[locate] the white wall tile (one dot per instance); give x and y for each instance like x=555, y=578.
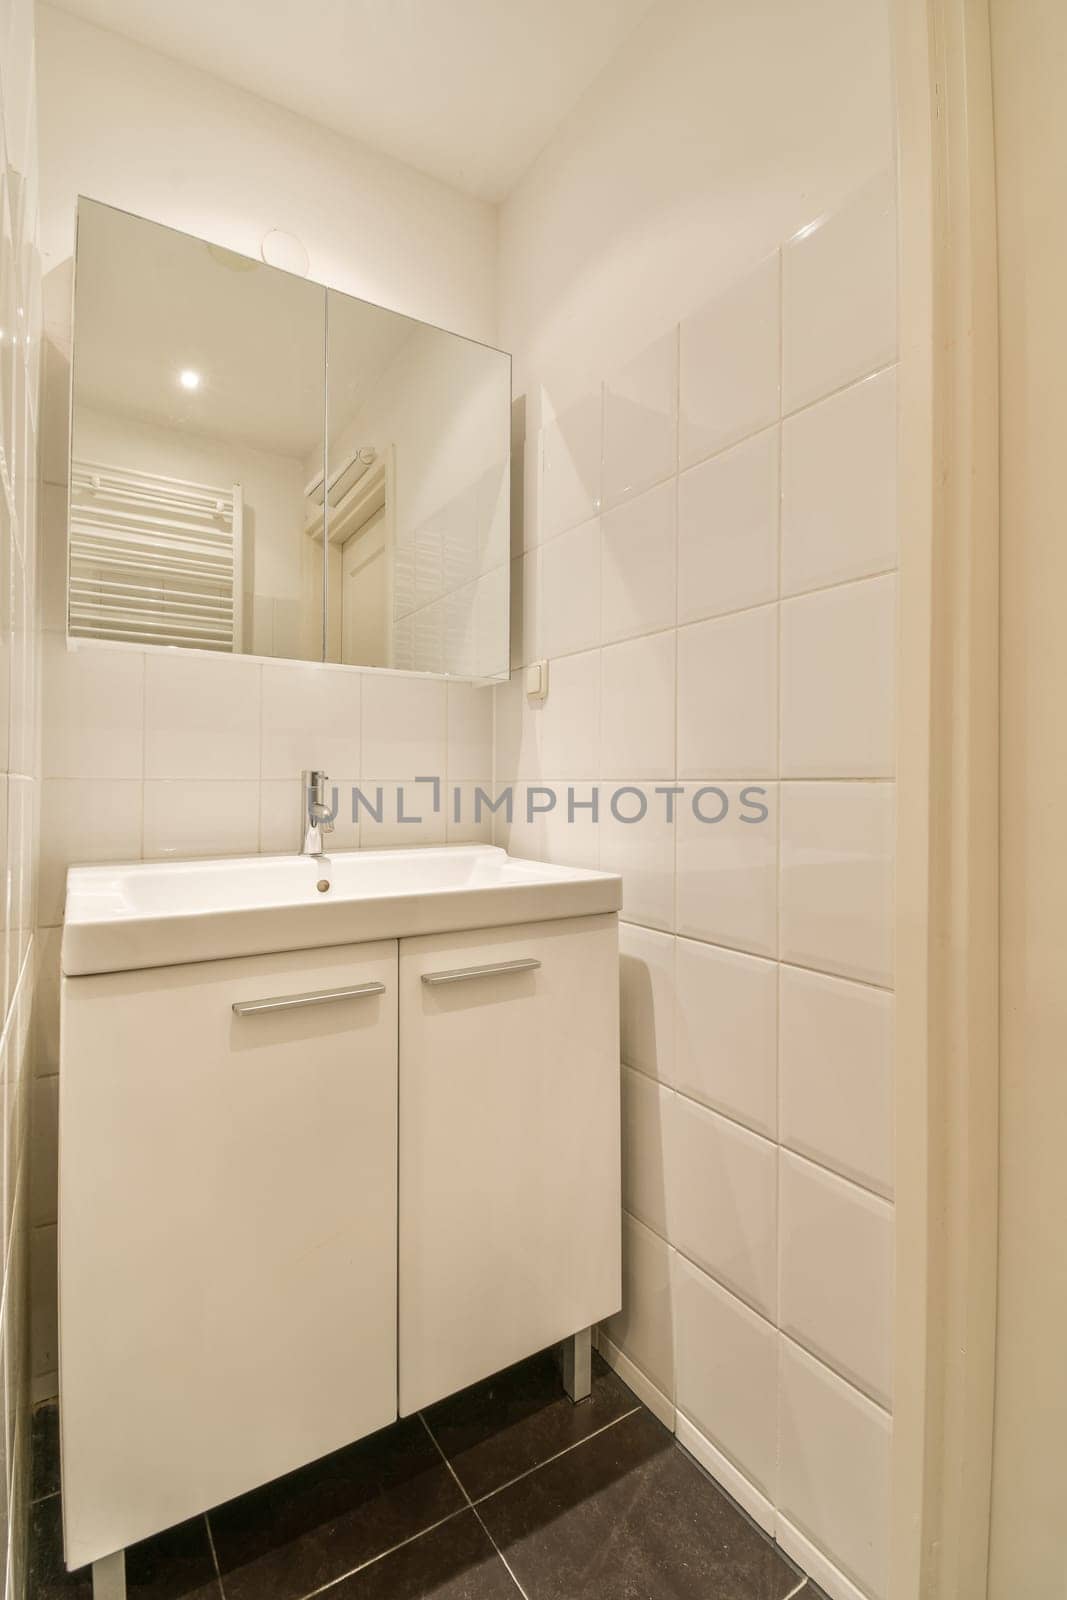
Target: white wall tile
x=728, y=696
x=570, y=466
x=93, y=712
x=567, y=724
x=644, y=1116
x=727, y=889
x=728, y=530
x=310, y=719
x=726, y=1032
x=202, y=717
x=836, y=1074
x=570, y=591
x=408, y=816
x=646, y=1000
x=833, y=1467
x=470, y=731
x=466, y=821
x=644, y=1329
x=640, y=421
x=201, y=817
x=837, y=878
x=839, y=486
x=721, y=1200
x=836, y=1273
x=642, y=850
x=52, y=568
x=838, y=661
x=638, y=567
x=525, y=604
x=404, y=727
x=729, y=363
x=726, y=1377
x=84, y=820
x=839, y=294
x=637, y=730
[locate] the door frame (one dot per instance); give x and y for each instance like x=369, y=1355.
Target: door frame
x=947, y=1067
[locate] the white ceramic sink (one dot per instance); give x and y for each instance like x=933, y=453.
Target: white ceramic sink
x=154, y=914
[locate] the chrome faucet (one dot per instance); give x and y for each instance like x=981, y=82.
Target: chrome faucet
x=317, y=814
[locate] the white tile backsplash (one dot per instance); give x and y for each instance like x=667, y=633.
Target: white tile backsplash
x=201, y=716
x=833, y=1468
x=201, y=817
x=646, y=1001
x=722, y=1186
x=640, y=421
x=404, y=726
x=728, y=696
x=839, y=296
x=726, y=1032
x=835, y=1279
x=310, y=720
x=93, y=712
x=766, y=696
x=645, y=1109
x=571, y=447
x=726, y=1359
x=727, y=866
x=728, y=530
x=839, y=486
x=637, y=704
x=729, y=364
x=836, y=1074
x=837, y=878
x=570, y=591
x=644, y=1327
x=837, y=699
x=638, y=579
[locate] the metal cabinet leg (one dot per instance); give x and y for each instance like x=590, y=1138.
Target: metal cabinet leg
x=109, y=1577
x=578, y=1365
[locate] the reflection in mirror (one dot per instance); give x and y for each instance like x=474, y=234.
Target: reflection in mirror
x=197, y=425
x=415, y=507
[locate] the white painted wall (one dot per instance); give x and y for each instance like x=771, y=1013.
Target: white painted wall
x=125, y=125
x=707, y=560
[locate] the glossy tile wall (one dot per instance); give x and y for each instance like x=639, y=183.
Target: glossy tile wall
x=708, y=562
x=20, y=326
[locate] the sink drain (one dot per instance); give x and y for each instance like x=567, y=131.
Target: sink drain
x=322, y=885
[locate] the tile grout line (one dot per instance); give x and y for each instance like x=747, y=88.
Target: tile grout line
x=474, y=1508
x=519, y=1476
x=214, y=1555
x=372, y=1561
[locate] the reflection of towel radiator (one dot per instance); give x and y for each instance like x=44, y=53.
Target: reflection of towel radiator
x=154, y=560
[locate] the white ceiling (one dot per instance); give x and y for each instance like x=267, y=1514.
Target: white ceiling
x=467, y=90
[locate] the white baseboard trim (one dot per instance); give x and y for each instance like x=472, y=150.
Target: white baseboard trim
x=818, y=1567
x=642, y=1386
x=740, y=1488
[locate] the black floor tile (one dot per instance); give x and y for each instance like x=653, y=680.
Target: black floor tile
x=304, y=1530
x=626, y=1516
x=44, y=1452
x=175, y=1565
x=453, y=1562
x=502, y=1427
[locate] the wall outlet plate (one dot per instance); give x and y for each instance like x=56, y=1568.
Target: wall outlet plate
x=537, y=680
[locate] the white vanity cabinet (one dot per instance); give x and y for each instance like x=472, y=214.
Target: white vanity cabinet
x=227, y=1231
x=509, y=1146
x=302, y=1192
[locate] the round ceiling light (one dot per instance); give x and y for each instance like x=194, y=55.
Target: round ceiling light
x=189, y=379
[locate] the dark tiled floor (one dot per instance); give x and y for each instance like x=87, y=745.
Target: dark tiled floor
x=506, y=1490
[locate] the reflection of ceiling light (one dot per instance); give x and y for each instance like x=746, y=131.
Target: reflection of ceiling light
x=189, y=379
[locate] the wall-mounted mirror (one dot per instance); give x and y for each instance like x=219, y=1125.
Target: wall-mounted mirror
x=260, y=466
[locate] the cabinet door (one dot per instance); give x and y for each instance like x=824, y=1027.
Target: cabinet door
x=509, y=1147
x=227, y=1231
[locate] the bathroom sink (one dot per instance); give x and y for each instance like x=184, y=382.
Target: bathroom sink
x=153, y=914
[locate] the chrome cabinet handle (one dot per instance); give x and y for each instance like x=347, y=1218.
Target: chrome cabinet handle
x=492, y=970
x=315, y=997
